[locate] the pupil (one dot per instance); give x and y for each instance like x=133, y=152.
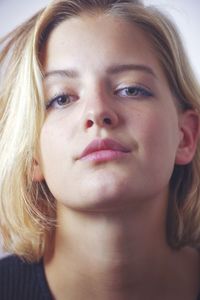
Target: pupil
x=107, y=121
x=62, y=99
x=131, y=90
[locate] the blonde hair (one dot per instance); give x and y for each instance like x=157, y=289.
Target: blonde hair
x=27, y=208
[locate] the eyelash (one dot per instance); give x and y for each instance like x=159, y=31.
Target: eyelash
x=61, y=97
x=138, y=91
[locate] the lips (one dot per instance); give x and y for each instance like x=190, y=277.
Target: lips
x=103, y=149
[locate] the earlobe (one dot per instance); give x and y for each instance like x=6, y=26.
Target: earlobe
x=190, y=131
x=37, y=172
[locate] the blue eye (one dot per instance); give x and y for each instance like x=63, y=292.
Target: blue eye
x=60, y=101
x=133, y=91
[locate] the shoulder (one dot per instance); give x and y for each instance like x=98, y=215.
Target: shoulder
x=10, y=260
x=13, y=264
x=20, y=279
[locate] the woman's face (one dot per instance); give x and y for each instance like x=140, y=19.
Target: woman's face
x=111, y=133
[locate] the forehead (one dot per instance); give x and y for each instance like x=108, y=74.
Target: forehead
x=98, y=40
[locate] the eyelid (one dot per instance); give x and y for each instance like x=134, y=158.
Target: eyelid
x=49, y=103
x=59, y=88
x=139, y=87
x=136, y=85
x=50, y=100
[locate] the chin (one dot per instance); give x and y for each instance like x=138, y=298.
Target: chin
x=98, y=197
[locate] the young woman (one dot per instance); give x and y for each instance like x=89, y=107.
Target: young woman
x=99, y=156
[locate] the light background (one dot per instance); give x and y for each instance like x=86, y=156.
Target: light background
x=185, y=14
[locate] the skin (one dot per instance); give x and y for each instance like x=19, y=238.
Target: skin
x=110, y=242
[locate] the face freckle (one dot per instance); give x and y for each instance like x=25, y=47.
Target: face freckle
x=117, y=77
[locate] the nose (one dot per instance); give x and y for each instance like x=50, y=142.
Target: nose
x=101, y=119
x=100, y=111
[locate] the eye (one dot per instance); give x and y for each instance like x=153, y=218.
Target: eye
x=60, y=101
x=133, y=91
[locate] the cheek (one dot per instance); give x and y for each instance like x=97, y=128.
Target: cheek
x=157, y=134
x=57, y=130
x=163, y=133
x=55, y=141
x=158, y=143
x=55, y=155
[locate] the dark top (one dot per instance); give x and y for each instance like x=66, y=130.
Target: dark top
x=20, y=280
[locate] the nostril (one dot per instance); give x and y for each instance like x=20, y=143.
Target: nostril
x=89, y=123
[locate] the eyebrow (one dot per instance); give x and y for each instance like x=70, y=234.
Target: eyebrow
x=116, y=69
x=112, y=70
x=61, y=73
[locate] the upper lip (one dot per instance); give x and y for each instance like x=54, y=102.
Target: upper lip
x=103, y=144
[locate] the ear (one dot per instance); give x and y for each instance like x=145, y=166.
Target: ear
x=189, y=124
x=37, y=172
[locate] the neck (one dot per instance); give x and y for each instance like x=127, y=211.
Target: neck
x=110, y=255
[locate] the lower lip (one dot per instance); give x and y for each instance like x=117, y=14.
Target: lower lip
x=104, y=155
